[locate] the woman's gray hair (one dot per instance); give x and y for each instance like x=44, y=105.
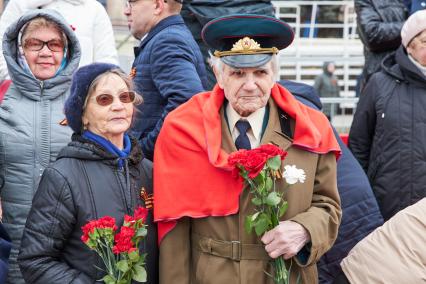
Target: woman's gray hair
x=219, y=65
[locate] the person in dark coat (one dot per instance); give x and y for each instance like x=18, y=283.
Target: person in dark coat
x=327, y=86
x=387, y=135
x=196, y=13
x=102, y=172
x=360, y=212
x=379, y=26
x=168, y=68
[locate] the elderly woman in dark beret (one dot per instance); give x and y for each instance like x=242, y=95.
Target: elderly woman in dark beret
x=100, y=173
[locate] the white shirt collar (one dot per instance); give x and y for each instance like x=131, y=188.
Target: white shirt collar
x=255, y=119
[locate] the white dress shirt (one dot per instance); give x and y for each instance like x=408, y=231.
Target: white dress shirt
x=256, y=122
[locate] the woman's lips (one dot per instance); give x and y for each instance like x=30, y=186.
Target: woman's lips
x=45, y=64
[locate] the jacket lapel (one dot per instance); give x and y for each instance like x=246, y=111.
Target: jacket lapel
x=273, y=132
x=227, y=142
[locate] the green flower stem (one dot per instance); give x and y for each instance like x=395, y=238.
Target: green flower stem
x=281, y=273
x=105, y=255
x=117, y=259
x=104, y=260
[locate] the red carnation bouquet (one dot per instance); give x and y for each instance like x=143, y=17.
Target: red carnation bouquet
x=119, y=249
x=260, y=168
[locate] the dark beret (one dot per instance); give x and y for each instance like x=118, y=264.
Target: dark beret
x=81, y=81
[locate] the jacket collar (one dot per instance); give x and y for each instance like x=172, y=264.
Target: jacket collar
x=411, y=71
x=400, y=67
x=164, y=23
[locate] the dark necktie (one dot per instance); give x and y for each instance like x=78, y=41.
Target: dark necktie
x=242, y=141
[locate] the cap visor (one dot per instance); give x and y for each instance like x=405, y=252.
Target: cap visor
x=245, y=60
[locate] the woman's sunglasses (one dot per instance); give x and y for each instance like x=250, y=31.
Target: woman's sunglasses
x=35, y=44
x=107, y=99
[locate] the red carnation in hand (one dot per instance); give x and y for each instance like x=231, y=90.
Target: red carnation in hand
x=123, y=240
x=238, y=157
x=251, y=160
x=141, y=213
x=106, y=222
x=271, y=151
x=255, y=163
x=235, y=159
x=119, y=250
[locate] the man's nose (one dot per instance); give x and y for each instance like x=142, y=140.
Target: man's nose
x=127, y=10
x=250, y=83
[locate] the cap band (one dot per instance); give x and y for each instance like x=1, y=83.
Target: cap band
x=246, y=46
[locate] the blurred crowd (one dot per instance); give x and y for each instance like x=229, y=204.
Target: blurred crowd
x=80, y=139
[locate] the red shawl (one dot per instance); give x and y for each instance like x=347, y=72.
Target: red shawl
x=191, y=173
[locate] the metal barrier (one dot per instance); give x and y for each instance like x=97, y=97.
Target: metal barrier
x=341, y=120
x=309, y=17
x=324, y=31
x=337, y=42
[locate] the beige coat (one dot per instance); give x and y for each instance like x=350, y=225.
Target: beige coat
x=393, y=253
x=217, y=250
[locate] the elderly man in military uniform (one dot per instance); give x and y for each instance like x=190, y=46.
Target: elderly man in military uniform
x=200, y=206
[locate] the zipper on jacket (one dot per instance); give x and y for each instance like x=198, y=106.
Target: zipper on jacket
x=125, y=189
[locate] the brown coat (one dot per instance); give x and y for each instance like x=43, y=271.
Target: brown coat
x=218, y=250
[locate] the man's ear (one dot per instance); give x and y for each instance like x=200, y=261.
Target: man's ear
x=159, y=7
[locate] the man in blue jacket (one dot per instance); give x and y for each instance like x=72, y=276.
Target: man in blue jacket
x=168, y=68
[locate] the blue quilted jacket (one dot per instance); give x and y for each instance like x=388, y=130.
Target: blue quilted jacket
x=169, y=70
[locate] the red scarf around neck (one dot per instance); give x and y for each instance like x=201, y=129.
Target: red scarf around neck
x=191, y=172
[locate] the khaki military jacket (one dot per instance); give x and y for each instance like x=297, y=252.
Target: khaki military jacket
x=217, y=250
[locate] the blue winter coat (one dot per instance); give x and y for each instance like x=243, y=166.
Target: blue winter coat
x=360, y=212
x=169, y=70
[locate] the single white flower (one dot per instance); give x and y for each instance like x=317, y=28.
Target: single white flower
x=293, y=174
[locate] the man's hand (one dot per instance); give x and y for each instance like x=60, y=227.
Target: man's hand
x=287, y=239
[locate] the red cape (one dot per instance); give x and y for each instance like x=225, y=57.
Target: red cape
x=191, y=172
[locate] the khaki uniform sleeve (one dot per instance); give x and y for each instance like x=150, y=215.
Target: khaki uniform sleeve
x=175, y=254
x=322, y=219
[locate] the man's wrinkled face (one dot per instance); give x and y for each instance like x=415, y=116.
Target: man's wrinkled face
x=246, y=89
x=417, y=48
